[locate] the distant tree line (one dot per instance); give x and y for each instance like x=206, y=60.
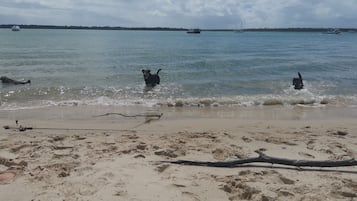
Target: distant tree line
x=302, y=29
x=8, y=26
x=286, y=29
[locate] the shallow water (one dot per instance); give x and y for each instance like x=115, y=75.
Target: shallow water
x=88, y=67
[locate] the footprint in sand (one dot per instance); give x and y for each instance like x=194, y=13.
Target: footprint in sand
x=246, y=139
x=162, y=168
x=191, y=195
x=243, y=192
x=56, y=139
x=120, y=193
x=266, y=198
x=338, y=133
x=219, y=154
x=168, y=153
x=18, y=148
x=62, y=169
x=310, y=144
x=285, y=193
x=286, y=180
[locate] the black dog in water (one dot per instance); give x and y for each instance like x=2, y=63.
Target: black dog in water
x=297, y=82
x=7, y=80
x=151, y=80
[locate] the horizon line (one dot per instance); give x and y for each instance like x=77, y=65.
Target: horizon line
x=39, y=26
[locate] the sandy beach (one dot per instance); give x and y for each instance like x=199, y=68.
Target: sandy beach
x=83, y=153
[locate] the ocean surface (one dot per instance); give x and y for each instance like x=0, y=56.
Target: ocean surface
x=249, y=69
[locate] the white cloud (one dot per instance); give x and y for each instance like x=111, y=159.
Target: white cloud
x=183, y=13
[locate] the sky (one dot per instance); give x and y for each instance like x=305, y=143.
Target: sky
x=205, y=14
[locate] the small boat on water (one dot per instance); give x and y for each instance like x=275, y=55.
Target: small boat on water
x=333, y=31
x=15, y=28
x=194, y=31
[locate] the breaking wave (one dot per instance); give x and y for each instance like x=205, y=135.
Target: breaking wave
x=161, y=96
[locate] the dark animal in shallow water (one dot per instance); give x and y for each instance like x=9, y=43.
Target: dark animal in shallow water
x=297, y=82
x=151, y=80
x=7, y=80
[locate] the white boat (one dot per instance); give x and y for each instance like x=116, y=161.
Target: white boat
x=194, y=31
x=333, y=31
x=15, y=28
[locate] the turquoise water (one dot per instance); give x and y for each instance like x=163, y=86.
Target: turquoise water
x=88, y=67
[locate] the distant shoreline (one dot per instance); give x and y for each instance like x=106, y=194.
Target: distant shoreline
x=8, y=26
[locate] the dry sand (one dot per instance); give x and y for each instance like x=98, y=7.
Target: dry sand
x=72, y=155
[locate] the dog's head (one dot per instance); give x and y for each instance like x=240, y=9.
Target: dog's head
x=146, y=74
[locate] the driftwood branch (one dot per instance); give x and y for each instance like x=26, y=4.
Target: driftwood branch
x=262, y=158
x=136, y=115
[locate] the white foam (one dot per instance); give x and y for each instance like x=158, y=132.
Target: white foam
x=158, y=97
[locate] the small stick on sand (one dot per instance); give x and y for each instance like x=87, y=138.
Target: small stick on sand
x=135, y=115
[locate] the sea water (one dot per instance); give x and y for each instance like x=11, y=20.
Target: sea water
x=94, y=67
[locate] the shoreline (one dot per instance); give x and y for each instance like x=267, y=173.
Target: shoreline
x=73, y=153
x=278, y=112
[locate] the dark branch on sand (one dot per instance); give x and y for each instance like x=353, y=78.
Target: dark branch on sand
x=136, y=115
x=262, y=158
